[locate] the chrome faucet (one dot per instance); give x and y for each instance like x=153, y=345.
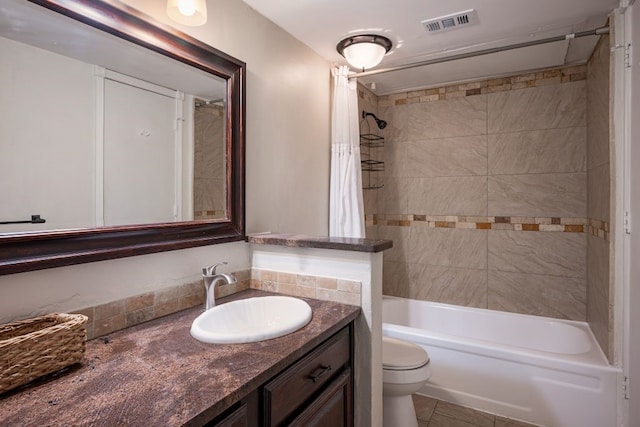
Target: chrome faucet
x=211, y=279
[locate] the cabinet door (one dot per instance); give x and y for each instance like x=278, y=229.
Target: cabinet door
x=332, y=408
x=238, y=418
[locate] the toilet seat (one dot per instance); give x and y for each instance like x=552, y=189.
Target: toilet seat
x=405, y=370
x=399, y=355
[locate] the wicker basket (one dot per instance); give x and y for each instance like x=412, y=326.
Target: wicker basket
x=42, y=345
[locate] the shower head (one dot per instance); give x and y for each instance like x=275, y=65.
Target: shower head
x=381, y=123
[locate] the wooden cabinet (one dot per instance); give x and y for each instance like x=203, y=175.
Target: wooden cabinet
x=316, y=390
x=298, y=387
x=237, y=418
x=332, y=408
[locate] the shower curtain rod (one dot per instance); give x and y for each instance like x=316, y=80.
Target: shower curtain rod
x=594, y=32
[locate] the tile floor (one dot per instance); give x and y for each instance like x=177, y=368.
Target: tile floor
x=437, y=413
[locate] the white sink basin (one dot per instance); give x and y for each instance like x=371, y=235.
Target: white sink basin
x=251, y=320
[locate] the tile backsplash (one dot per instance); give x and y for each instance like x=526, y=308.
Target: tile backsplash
x=323, y=288
x=124, y=313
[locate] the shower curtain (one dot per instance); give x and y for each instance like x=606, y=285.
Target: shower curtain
x=346, y=209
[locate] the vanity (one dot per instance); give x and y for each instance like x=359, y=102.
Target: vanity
x=157, y=374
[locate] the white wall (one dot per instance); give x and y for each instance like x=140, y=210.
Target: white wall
x=68, y=288
x=287, y=168
x=36, y=86
x=288, y=88
x=139, y=125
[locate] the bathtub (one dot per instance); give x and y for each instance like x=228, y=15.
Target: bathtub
x=543, y=371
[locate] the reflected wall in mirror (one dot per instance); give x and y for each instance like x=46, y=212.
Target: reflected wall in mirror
x=125, y=136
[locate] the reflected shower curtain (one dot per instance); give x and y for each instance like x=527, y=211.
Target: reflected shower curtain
x=346, y=210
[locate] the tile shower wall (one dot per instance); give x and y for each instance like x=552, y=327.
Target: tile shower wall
x=599, y=284
x=209, y=162
x=485, y=194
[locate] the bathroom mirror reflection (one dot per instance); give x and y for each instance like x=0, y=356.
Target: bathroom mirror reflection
x=120, y=136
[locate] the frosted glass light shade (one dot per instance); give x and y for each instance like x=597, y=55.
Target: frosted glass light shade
x=364, y=55
x=365, y=50
x=188, y=12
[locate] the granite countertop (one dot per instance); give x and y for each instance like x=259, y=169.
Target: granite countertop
x=321, y=242
x=155, y=373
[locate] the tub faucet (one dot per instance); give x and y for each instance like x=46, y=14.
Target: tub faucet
x=211, y=279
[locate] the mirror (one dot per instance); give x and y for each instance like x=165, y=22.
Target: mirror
x=122, y=136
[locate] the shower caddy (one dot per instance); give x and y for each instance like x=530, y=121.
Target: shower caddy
x=370, y=144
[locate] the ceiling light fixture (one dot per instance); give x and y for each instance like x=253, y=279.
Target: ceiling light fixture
x=364, y=51
x=188, y=12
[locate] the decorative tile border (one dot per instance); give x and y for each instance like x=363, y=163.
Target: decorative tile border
x=599, y=229
x=322, y=288
x=124, y=313
x=515, y=223
x=520, y=81
x=367, y=96
x=209, y=214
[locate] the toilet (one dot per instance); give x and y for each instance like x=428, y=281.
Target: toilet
x=405, y=369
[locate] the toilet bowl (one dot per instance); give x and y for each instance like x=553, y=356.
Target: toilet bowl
x=405, y=369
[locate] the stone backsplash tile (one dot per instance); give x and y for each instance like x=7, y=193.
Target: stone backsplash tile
x=323, y=288
x=139, y=302
x=120, y=314
x=105, y=311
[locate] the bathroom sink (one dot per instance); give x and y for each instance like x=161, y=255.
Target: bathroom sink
x=251, y=320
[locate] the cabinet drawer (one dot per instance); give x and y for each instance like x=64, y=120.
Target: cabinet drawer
x=285, y=394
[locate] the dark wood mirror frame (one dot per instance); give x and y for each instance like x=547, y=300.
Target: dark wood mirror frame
x=22, y=252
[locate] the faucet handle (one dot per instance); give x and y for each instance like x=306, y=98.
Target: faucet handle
x=211, y=270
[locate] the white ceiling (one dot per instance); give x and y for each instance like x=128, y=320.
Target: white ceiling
x=321, y=24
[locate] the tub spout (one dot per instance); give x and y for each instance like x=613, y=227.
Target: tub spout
x=211, y=279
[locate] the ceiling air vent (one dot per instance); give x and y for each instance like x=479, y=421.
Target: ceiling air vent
x=450, y=22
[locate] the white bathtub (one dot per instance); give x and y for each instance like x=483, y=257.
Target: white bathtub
x=535, y=369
